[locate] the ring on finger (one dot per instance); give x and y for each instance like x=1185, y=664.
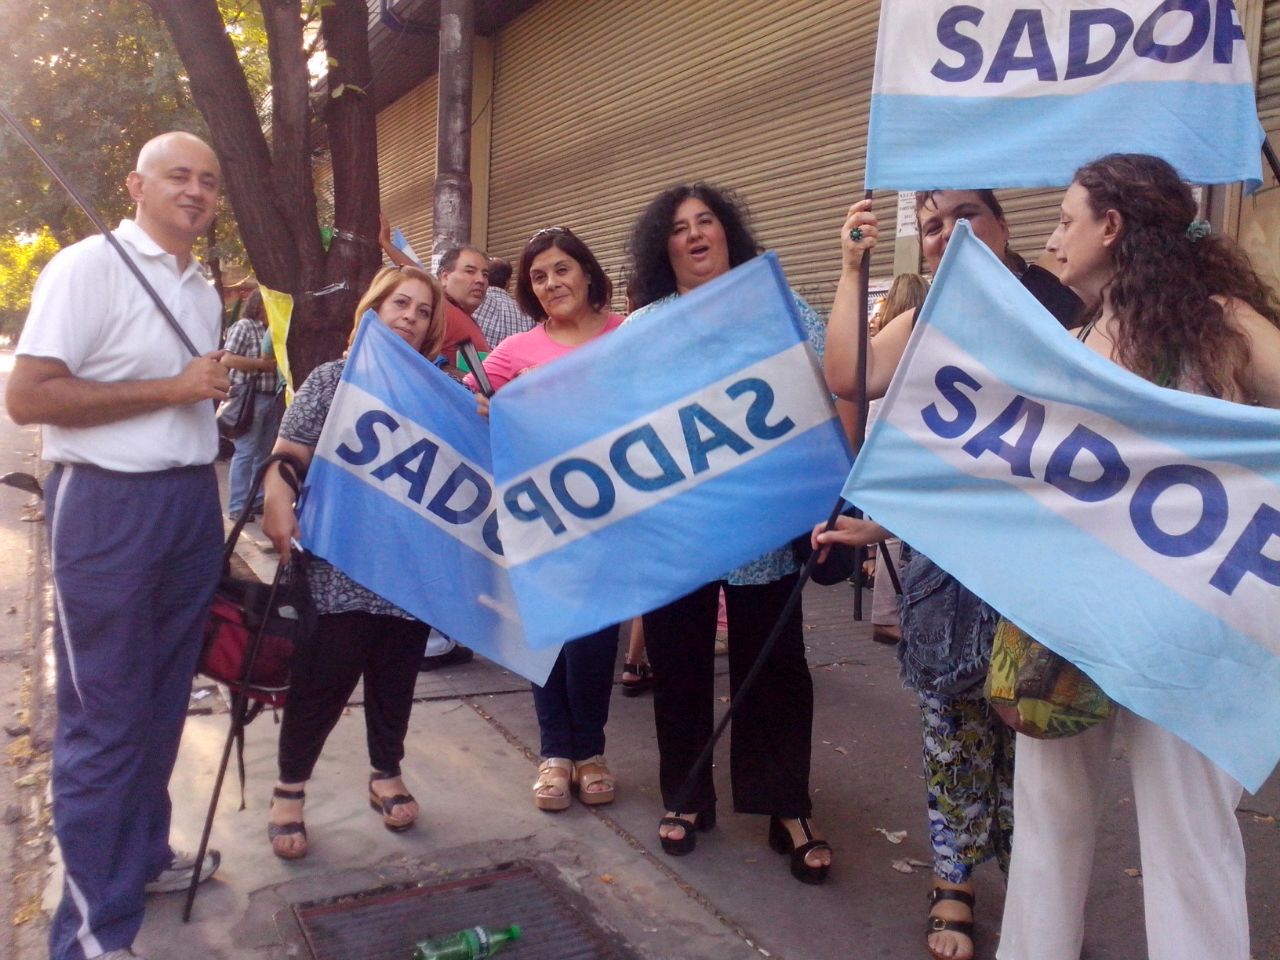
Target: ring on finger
x=855, y=234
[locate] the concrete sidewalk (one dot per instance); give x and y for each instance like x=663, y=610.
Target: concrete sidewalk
x=471, y=758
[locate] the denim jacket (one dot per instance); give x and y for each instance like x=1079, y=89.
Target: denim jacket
x=946, y=630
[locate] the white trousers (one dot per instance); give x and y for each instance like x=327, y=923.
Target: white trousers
x=1192, y=852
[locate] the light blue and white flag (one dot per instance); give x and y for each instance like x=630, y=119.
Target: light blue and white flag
x=400, y=497
x=1019, y=93
x=1131, y=528
x=663, y=455
x=401, y=243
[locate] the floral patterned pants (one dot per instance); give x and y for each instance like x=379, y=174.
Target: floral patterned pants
x=968, y=766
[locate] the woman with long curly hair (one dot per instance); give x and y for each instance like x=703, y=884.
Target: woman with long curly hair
x=688, y=235
x=1184, y=310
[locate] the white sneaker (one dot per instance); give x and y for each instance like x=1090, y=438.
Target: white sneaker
x=177, y=875
x=118, y=955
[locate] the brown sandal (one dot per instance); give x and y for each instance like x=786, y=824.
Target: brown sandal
x=551, y=789
x=384, y=805
x=294, y=828
x=590, y=772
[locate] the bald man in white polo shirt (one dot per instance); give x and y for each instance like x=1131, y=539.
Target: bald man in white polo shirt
x=134, y=532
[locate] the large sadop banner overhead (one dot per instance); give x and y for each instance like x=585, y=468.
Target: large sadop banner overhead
x=663, y=455
x=1011, y=93
x=1131, y=528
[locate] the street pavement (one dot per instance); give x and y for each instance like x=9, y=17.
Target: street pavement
x=471, y=757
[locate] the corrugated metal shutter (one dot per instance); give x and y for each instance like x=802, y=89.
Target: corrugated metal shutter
x=598, y=106
x=1269, y=70
x=407, y=163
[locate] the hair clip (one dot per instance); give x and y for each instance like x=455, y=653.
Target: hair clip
x=1197, y=230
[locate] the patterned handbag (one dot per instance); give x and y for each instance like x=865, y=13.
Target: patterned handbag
x=1037, y=692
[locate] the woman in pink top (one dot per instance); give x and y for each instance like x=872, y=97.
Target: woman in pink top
x=562, y=286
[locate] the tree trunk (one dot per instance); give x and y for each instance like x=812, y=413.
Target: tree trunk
x=354, y=256
x=271, y=189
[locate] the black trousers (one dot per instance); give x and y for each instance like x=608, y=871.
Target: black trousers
x=387, y=651
x=772, y=730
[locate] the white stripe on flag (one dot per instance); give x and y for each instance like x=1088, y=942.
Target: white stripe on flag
x=1176, y=510
x=619, y=474
x=453, y=494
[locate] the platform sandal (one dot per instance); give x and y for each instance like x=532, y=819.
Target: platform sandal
x=780, y=840
x=551, y=789
x=963, y=928
x=692, y=824
x=642, y=678
x=385, y=805
x=594, y=772
x=294, y=828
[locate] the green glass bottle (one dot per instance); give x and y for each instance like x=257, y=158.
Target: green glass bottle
x=474, y=943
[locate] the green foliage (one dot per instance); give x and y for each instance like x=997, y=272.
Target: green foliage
x=93, y=81
x=21, y=259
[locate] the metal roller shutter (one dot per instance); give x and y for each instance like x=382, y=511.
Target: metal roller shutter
x=407, y=163
x=1269, y=70
x=599, y=106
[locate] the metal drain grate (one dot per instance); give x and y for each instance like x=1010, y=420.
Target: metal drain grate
x=384, y=924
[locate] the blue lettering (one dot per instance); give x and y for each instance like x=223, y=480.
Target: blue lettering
x=1082, y=23
x=369, y=445
x=462, y=474
x=946, y=380
x=1246, y=556
x=669, y=471
x=1006, y=60
x=1144, y=43
x=490, y=533
x=1226, y=31
x=605, y=495
x=954, y=40
x=398, y=466
x=990, y=439
x=759, y=409
x=719, y=435
x=1207, y=529
x=1115, y=473
x=537, y=508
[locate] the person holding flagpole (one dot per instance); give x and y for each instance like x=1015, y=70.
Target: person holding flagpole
x=562, y=286
x=359, y=635
x=1182, y=308
x=946, y=629
x=691, y=234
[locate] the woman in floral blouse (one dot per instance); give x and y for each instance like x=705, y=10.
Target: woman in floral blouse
x=358, y=634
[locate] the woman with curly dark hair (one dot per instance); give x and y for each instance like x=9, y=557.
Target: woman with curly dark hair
x=1183, y=309
x=691, y=234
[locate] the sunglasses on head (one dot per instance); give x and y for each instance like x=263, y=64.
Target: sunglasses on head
x=551, y=232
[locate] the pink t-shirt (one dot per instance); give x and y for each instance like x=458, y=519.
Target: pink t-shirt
x=524, y=351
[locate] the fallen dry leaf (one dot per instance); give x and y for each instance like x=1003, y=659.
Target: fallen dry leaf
x=893, y=836
x=902, y=866
x=607, y=878
x=1132, y=872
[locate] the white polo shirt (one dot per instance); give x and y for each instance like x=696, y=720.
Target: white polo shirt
x=90, y=312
